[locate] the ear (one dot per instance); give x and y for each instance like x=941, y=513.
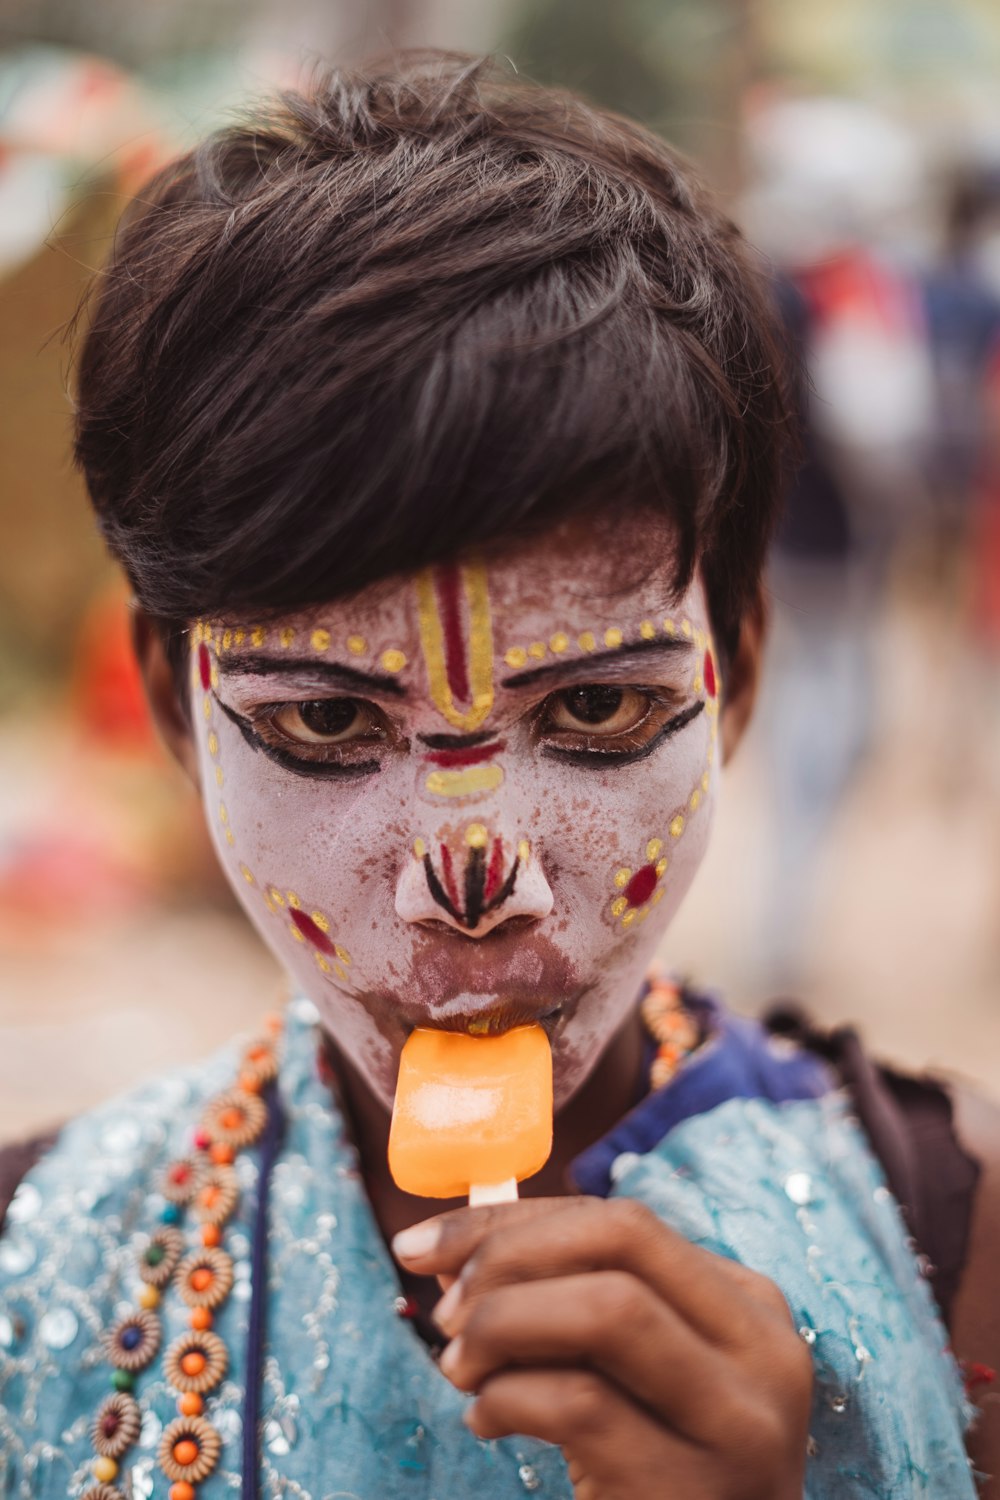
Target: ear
x=742, y=679
x=162, y=693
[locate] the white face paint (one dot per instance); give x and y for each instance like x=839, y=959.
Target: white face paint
x=470, y=798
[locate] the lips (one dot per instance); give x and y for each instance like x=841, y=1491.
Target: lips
x=491, y=1015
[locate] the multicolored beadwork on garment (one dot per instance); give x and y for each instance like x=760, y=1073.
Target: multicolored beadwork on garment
x=195, y=1363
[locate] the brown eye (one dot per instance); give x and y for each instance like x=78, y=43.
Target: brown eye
x=324, y=721
x=597, y=707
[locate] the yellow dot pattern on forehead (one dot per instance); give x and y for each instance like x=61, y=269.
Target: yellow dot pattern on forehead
x=612, y=637
x=357, y=645
x=476, y=836
x=286, y=636
x=320, y=640
x=393, y=661
x=257, y=635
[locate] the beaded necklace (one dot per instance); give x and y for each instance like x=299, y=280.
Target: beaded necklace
x=671, y=1026
x=204, y=1182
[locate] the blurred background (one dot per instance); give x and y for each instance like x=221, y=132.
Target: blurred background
x=857, y=860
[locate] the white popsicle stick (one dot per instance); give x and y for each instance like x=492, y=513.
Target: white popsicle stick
x=493, y=1192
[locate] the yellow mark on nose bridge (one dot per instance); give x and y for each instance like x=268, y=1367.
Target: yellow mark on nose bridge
x=465, y=782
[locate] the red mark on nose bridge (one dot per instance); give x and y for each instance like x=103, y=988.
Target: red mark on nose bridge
x=448, y=584
x=472, y=755
x=205, y=666
x=495, y=870
x=310, y=930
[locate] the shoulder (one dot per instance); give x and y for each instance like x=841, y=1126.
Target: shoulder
x=976, y=1315
x=15, y=1160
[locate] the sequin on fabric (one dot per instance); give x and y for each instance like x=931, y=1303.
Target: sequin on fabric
x=352, y=1403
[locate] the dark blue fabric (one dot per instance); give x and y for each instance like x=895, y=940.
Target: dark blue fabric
x=737, y=1060
x=270, y=1144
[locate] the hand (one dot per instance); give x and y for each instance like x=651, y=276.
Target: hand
x=659, y=1368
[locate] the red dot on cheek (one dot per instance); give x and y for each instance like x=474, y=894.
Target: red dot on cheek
x=310, y=931
x=205, y=666
x=641, y=886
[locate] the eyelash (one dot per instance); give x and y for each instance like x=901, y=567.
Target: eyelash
x=639, y=740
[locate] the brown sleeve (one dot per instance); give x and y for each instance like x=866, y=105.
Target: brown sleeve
x=908, y=1122
x=18, y=1159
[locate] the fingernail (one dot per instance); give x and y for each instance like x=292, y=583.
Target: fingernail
x=448, y=1306
x=417, y=1242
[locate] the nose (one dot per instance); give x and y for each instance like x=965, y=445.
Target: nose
x=473, y=881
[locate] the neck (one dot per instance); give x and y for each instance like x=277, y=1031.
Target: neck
x=613, y=1087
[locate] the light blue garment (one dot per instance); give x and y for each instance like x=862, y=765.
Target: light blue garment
x=353, y=1407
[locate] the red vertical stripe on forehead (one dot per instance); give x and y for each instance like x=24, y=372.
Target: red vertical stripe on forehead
x=448, y=585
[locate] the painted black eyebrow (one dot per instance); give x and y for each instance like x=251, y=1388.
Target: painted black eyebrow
x=337, y=674
x=670, y=646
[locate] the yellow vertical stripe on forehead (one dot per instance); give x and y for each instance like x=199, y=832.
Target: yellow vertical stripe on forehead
x=475, y=585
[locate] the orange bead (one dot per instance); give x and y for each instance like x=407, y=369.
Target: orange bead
x=257, y=1054
x=211, y=1235
x=222, y=1154
x=249, y=1083
x=182, y=1490
x=192, y=1364
x=209, y=1196
x=274, y=1023
x=201, y=1279
x=191, y=1405
x=231, y=1119
x=185, y=1452
x=201, y=1319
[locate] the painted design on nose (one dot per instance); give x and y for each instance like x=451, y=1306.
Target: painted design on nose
x=460, y=761
x=470, y=893
x=456, y=636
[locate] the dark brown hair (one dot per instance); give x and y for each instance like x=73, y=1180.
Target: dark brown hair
x=413, y=311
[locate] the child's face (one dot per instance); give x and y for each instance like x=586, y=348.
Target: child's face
x=471, y=797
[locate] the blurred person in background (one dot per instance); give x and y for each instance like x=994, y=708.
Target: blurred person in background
x=432, y=319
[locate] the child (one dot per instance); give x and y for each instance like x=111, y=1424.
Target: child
x=437, y=422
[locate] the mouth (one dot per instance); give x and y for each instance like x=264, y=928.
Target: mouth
x=493, y=1015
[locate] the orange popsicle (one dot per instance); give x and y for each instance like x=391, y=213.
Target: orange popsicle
x=473, y=1114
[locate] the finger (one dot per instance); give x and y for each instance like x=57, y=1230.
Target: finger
x=613, y=1449
x=610, y=1322
x=543, y=1238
